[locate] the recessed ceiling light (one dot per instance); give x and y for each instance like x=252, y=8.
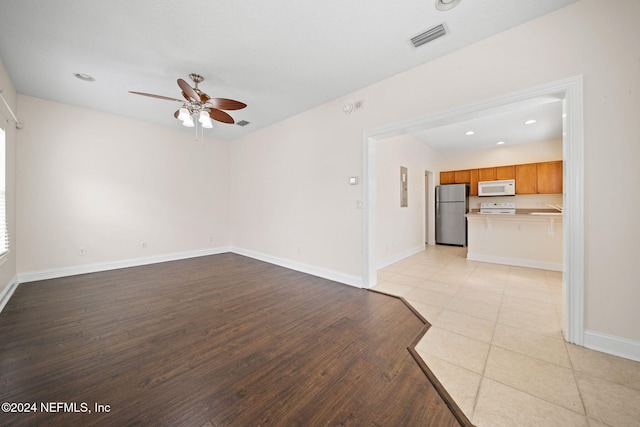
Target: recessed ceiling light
x=530, y=122
x=469, y=132
x=446, y=4
x=84, y=77
x=500, y=143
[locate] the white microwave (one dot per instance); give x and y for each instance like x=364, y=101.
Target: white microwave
x=505, y=187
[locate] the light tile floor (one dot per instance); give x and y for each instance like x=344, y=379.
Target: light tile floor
x=495, y=344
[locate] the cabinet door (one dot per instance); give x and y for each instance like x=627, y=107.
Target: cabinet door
x=473, y=184
x=487, y=174
x=463, y=176
x=506, y=172
x=550, y=177
x=527, y=178
x=447, y=177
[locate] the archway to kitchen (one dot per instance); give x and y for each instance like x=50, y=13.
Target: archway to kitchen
x=570, y=91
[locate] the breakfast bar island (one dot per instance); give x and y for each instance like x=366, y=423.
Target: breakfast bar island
x=525, y=239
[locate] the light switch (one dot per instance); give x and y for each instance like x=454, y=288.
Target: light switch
x=353, y=180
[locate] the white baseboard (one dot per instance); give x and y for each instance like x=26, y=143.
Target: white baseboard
x=94, y=268
x=400, y=256
x=610, y=344
x=8, y=290
x=518, y=262
x=304, y=268
x=105, y=266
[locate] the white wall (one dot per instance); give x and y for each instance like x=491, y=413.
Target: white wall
x=108, y=184
x=323, y=146
x=291, y=196
x=504, y=155
x=401, y=230
x=8, y=267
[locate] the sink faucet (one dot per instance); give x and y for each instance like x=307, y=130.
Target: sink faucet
x=556, y=207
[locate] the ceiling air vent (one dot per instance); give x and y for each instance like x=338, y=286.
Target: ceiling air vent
x=242, y=123
x=428, y=36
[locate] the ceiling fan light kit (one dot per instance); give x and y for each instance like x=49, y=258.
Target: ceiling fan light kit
x=204, y=120
x=183, y=114
x=188, y=122
x=198, y=103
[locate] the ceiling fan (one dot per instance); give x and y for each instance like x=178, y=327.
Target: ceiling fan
x=197, y=103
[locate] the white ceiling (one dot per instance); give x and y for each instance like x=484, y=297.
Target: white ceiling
x=281, y=57
x=505, y=124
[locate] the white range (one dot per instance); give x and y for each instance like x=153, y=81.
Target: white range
x=498, y=208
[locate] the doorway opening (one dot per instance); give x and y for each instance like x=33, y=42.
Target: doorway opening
x=426, y=207
x=570, y=91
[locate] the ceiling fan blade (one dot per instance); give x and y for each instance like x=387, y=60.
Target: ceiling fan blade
x=220, y=116
x=188, y=90
x=176, y=114
x=226, y=104
x=156, y=96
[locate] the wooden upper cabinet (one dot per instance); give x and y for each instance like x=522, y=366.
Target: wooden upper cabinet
x=531, y=178
x=486, y=174
x=473, y=183
x=527, y=178
x=506, y=172
x=549, y=177
x=447, y=177
x=463, y=176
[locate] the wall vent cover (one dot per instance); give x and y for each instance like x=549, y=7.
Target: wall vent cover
x=428, y=36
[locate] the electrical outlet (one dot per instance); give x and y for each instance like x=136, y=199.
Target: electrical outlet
x=82, y=251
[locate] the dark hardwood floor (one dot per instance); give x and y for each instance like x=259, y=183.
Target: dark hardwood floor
x=222, y=340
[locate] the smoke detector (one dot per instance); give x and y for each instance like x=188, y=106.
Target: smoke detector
x=446, y=4
x=352, y=106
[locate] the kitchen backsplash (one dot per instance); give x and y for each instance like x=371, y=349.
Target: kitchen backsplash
x=522, y=201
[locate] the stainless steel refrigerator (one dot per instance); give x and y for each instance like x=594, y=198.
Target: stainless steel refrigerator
x=452, y=204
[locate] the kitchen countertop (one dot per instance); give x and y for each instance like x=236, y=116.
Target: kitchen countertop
x=520, y=214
